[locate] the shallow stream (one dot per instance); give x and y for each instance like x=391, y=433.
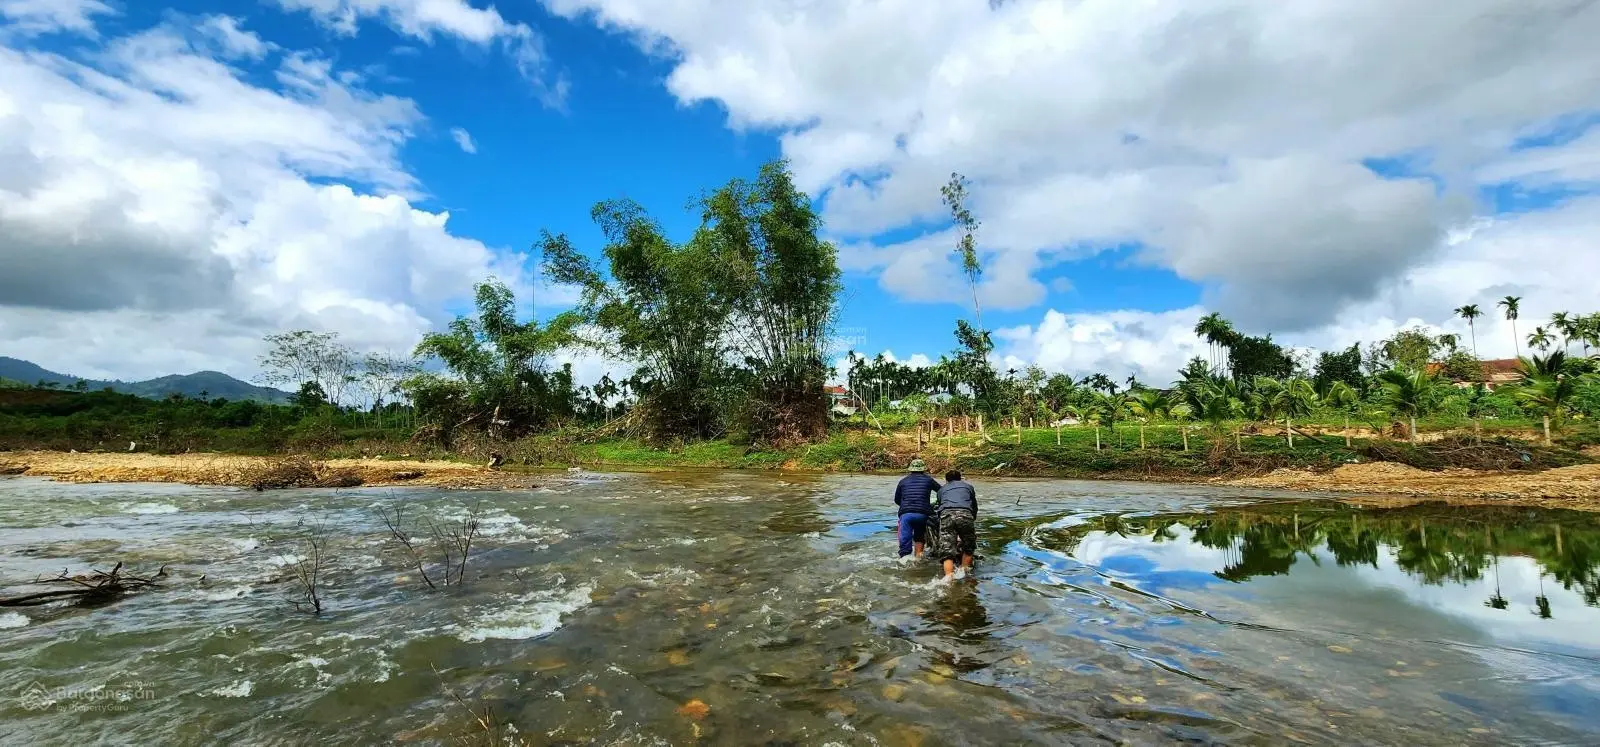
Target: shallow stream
x=760, y=609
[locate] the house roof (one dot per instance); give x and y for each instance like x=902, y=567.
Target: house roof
x=1500, y=369
x=832, y=389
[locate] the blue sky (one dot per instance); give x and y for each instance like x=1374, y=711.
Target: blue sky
x=1125, y=188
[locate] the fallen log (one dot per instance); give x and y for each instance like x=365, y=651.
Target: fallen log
x=99, y=587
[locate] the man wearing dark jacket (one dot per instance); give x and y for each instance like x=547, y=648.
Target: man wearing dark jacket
x=912, y=496
x=958, y=515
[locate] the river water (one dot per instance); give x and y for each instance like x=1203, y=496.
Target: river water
x=725, y=608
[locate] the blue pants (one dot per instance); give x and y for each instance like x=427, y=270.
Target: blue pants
x=913, y=528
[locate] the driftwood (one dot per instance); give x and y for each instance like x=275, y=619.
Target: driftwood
x=99, y=587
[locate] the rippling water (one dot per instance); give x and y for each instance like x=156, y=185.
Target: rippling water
x=753, y=609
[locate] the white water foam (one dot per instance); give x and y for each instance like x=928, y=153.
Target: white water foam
x=244, y=545
x=530, y=616
x=13, y=620
x=149, y=508
x=240, y=689
x=227, y=592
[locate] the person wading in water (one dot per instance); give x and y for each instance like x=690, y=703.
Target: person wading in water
x=912, y=496
x=958, y=516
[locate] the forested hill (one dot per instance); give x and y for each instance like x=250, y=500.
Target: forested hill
x=209, y=384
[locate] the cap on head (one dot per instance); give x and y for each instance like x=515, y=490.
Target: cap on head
x=917, y=465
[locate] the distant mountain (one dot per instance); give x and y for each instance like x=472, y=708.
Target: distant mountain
x=211, y=383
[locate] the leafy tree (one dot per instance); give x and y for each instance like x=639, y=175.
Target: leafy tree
x=1412, y=348
x=500, y=381
x=1461, y=366
x=781, y=285
x=310, y=397
x=954, y=195
x=1342, y=367
x=296, y=357
x=1254, y=357
x=1409, y=392
x=668, y=310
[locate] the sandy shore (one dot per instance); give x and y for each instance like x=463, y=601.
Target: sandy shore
x=223, y=469
x=1576, y=487
x=1568, y=487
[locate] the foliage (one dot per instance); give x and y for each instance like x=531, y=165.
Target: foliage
x=1409, y=349
x=1252, y=357
x=782, y=281
x=1341, y=367
x=728, y=328
x=499, y=379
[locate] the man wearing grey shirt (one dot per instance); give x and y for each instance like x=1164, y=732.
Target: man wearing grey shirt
x=958, y=515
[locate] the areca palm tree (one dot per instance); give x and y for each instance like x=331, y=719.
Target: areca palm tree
x=1513, y=307
x=1541, y=338
x=1471, y=312
x=1411, y=393
x=1567, y=325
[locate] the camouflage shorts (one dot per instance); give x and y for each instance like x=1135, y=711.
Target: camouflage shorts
x=957, y=535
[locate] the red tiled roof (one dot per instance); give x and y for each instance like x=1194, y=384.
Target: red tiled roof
x=1494, y=370
x=831, y=389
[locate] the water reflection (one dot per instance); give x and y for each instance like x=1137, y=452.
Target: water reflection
x=1434, y=544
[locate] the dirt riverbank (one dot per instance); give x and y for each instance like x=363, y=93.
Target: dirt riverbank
x=1575, y=487
x=242, y=471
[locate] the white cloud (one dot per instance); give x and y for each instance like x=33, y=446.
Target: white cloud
x=427, y=19
x=234, y=41
x=463, y=140
x=162, y=212
x=50, y=16
x=1536, y=256
x=1229, y=138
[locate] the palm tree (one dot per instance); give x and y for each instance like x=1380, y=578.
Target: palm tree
x=1110, y=407
x=1471, y=312
x=1216, y=402
x=1152, y=406
x=1512, y=305
x=1343, y=397
x=1547, y=385
x=1208, y=327
x=1567, y=325
x=1411, y=393
x=1541, y=338
x=1285, y=399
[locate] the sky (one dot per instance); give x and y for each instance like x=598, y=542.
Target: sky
x=178, y=180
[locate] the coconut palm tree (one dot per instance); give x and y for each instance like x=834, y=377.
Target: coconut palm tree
x=1284, y=399
x=1471, y=312
x=1548, y=384
x=1513, y=306
x=1409, y=392
x=1344, y=398
x=1541, y=338
x=1151, y=406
